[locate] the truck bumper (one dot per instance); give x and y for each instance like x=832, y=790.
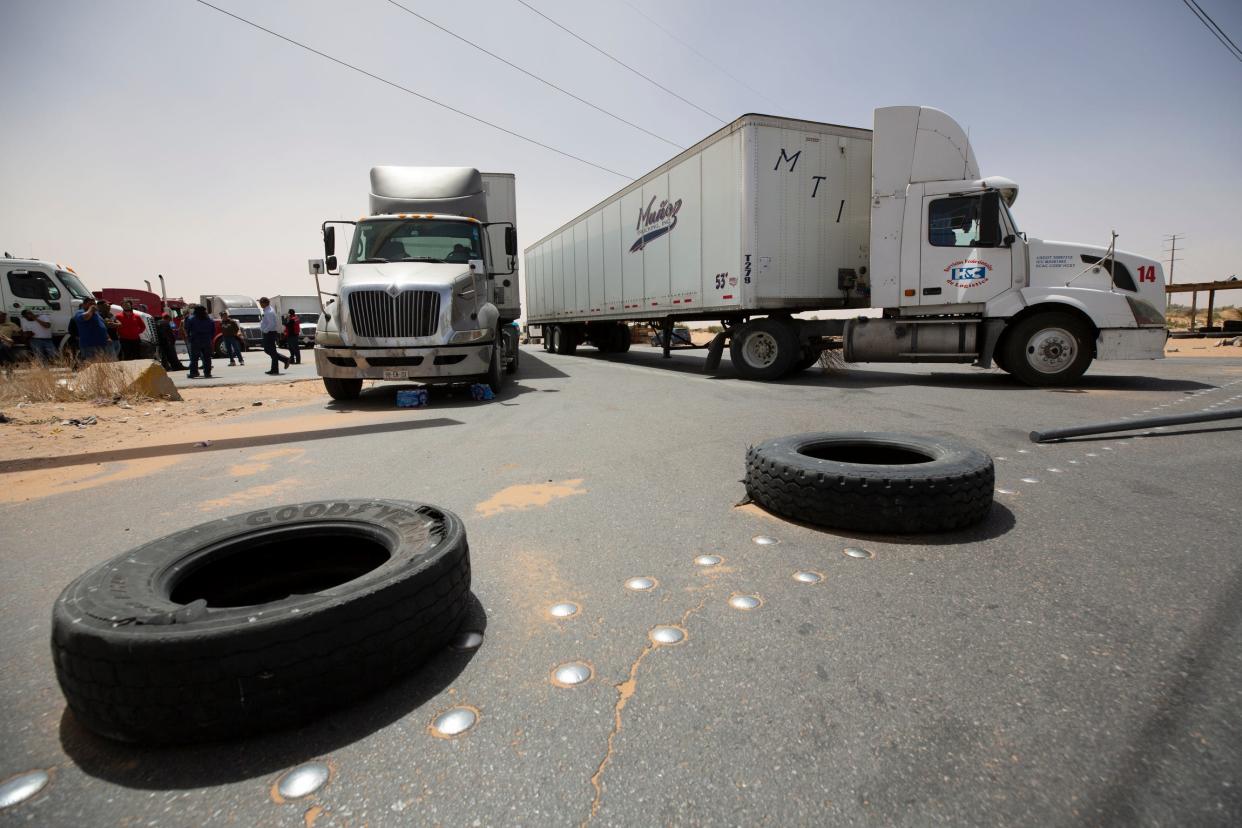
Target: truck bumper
x=447, y=363
x=1131, y=343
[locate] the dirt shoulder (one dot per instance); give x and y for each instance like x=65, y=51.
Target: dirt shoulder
x=45, y=429
x=1200, y=348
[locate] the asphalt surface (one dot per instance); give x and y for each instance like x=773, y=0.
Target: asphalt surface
x=250, y=372
x=1074, y=660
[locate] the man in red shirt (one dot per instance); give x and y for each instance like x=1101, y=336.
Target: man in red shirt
x=130, y=332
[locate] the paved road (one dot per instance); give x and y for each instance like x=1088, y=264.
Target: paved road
x=1076, y=659
x=249, y=373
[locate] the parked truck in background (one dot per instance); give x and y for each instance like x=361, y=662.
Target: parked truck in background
x=769, y=217
x=308, y=311
x=244, y=310
x=429, y=286
x=42, y=287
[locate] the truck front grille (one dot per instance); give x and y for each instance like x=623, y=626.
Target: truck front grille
x=376, y=314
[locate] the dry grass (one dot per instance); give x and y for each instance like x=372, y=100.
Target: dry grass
x=62, y=381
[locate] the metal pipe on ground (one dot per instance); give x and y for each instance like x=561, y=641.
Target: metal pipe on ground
x=1131, y=425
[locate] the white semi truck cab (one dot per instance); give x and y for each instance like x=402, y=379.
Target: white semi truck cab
x=429, y=285
x=960, y=282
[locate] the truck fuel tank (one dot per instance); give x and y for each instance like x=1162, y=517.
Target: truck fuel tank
x=910, y=340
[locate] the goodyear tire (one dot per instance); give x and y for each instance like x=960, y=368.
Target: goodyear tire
x=872, y=481
x=342, y=388
x=259, y=621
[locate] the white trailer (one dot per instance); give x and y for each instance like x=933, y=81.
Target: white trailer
x=768, y=217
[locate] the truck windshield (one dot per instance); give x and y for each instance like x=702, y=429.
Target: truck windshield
x=308, y=317
x=74, y=285
x=416, y=240
x=244, y=314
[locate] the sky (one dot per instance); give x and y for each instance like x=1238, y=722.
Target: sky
x=160, y=136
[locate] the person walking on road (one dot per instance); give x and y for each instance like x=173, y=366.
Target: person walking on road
x=230, y=333
x=166, y=339
x=293, y=330
x=130, y=327
x=270, y=326
x=38, y=330
x=200, y=330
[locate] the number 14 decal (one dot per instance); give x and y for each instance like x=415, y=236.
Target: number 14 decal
x=1147, y=273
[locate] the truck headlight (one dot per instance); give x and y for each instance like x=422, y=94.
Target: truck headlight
x=466, y=337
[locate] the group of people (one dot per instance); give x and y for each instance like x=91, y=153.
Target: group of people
x=34, y=331
x=200, y=335
x=101, y=335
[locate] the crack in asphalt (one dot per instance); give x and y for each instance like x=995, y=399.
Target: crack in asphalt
x=625, y=691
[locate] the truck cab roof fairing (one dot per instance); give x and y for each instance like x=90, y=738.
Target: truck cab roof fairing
x=454, y=191
x=913, y=144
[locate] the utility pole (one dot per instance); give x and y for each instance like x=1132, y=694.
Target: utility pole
x=1172, y=251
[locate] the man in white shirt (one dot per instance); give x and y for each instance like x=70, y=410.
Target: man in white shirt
x=38, y=330
x=270, y=326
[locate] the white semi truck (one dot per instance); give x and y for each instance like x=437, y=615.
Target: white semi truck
x=245, y=312
x=429, y=289
x=308, y=311
x=769, y=217
x=43, y=287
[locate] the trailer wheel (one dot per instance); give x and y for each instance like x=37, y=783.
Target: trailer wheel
x=765, y=349
x=1051, y=348
x=342, y=389
x=622, y=338
x=259, y=621
x=872, y=481
x=566, y=340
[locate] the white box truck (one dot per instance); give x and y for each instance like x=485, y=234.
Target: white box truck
x=245, y=312
x=44, y=288
x=308, y=311
x=429, y=289
x=769, y=217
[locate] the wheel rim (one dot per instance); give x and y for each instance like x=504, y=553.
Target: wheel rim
x=1051, y=350
x=760, y=349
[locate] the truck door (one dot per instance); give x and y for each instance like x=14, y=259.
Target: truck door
x=33, y=289
x=964, y=259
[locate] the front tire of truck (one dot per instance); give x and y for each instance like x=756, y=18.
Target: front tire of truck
x=1051, y=348
x=765, y=349
x=495, y=378
x=342, y=389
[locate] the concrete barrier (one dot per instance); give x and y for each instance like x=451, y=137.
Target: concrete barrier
x=146, y=378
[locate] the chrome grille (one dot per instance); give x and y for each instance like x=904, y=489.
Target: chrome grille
x=376, y=314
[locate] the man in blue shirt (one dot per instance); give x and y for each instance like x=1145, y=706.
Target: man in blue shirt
x=93, y=341
x=270, y=326
x=200, y=330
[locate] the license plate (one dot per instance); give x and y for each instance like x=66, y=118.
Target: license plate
x=396, y=373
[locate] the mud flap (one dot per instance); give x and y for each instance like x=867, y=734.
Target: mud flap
x=715, y=351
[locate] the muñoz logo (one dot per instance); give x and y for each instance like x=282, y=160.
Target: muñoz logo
x=653, y=223
x=967, y=273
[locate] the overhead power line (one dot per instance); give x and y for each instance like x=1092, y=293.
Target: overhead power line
x=620, y=62
x=544, y=81
x=1206, y=19
x=706, y=59
x=409, y=91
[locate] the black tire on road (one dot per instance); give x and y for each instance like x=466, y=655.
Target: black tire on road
x=622, y=341
x=342, y=388
x=1050, y=348
x=259, y=621
x=765, y=349
x=566, y=340
x=872, y=481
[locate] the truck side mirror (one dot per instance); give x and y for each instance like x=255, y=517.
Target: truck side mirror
x=989, y=220
x=510, y=241
x=330, y=263
x=329, y=244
